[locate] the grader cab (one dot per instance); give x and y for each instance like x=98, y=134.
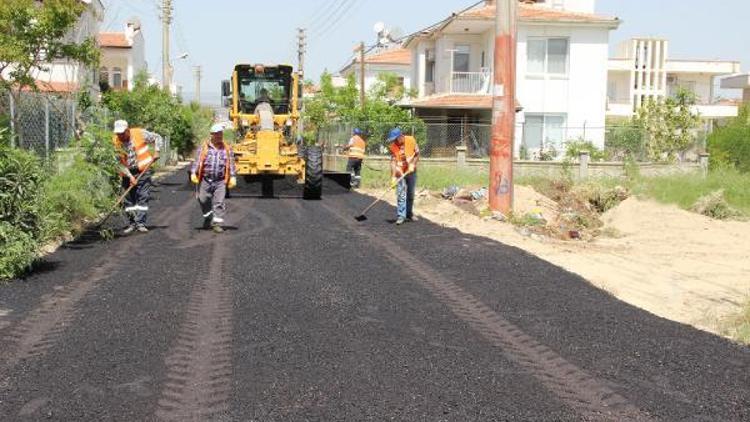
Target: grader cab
x=263, y=102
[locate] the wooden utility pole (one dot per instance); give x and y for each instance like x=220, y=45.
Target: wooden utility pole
x=503, y=107
x=166, y=21
x=362, y=75
x=198, y=75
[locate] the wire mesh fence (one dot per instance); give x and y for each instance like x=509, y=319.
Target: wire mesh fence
x=40, y=122
x=532, y=141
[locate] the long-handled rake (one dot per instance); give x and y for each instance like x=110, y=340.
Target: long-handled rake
x=362, y=216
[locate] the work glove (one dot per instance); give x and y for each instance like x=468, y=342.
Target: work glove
x=194, y=179
x=232, y=182
x=412, y=168
x=133, y=180
x=394, y=182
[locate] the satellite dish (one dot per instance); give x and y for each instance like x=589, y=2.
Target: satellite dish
x=396, y=33
x=135, y=22
x=379, y=27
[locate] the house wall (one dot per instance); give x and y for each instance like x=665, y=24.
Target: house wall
x=70, y=72
x=581, y=95
x=130, y=60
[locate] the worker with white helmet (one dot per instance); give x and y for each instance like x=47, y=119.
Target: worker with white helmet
x=135, y=156
x=214, y=172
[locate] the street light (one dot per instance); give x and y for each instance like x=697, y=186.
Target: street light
x=182, y=56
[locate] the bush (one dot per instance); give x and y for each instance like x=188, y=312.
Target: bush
x=625, y=142
x=714, y=205
x=155, y=109
x=574, y=148
x=17, y=250
x=729, y=146
x=77, y=194
x=21, y=177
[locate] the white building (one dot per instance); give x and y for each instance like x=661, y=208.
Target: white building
x=562, y=61
x=643, y=69
x=394, y=60
x=65, y=76
x=741, y=82
x=123, y=56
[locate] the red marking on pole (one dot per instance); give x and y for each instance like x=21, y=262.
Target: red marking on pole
x=504, y=108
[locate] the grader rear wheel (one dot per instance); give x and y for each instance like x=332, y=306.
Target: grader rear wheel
x=313, y=173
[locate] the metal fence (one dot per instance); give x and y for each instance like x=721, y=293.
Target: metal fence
x=532, y=142
x=40, y=122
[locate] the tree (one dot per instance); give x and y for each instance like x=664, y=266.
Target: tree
x=32, y=35
x=668, y=124
x=380, y=114
x=729, y=145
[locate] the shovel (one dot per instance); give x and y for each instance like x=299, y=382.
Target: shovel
x=362, y=216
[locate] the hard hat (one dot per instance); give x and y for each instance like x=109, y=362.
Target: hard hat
x=394, y=133
x=357, y=131
x=121, y=126
x=217, y=127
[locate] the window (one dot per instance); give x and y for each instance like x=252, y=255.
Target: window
x=547, y=56
x=430, y=67
x=104, y=76
x=544, y=131
x=461, y=56
x=483, y=63
x=116, y=77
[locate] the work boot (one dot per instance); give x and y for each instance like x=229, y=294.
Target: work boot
x=207, y=223
x=400, y=221
x=217, y=228
x=412, y=219
x=129, y=229
x=142, y=229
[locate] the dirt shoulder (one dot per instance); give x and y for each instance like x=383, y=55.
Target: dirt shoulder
x=675, y=264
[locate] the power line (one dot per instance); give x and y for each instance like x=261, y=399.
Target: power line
x=319, y=13
x=321, y=18
x=328, y=18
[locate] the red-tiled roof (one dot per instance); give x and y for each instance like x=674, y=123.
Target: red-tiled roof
x=62, y=87
x=392, y=56
x=533, y=13
x=113, y=40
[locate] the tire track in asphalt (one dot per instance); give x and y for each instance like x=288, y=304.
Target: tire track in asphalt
x=589, y=397
x=46, y=324
x=199, y=366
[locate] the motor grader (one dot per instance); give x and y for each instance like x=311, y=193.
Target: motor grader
x=264, y=108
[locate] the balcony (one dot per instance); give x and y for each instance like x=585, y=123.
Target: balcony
x=471, y=82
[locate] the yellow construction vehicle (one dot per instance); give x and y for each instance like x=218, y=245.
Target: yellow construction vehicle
x=263, y=102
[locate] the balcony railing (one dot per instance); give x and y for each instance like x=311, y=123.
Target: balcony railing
x=470, y=82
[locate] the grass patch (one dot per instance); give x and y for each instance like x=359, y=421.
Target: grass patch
x=377, y=175
x=685, y=190
x=738, y=327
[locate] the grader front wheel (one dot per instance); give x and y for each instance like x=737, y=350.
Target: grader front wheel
x=313, y=173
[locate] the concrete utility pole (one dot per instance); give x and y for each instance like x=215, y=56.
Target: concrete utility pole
x=198, y=75
x=302, y=37
x=166, y=21
x=503, y=107
x=362, y=75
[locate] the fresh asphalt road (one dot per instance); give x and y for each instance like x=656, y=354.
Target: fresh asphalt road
x=297, y=313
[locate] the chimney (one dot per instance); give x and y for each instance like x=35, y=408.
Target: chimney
x=489, y=2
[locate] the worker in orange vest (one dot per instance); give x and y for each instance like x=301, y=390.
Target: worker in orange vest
x=214, y=172
x=404, y=158
x=133, y=148
x=355, y=150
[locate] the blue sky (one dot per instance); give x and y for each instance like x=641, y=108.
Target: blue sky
x=219, y=33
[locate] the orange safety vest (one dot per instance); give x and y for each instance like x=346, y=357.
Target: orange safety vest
x=143, y=155
x=402, y=157
x=357, y=149
x=227, y=163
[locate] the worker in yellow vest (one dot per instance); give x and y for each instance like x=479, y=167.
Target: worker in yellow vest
x=404, y=158
x=134, y=153
x=355, y=150
x=214, y=172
